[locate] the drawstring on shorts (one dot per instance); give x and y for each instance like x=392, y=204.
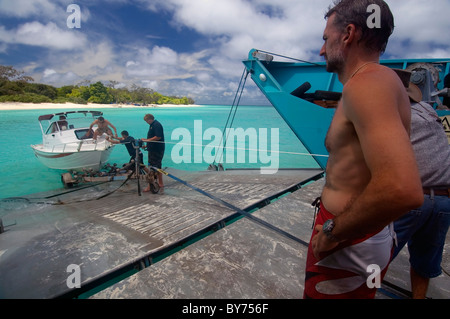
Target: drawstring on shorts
x=316, y=205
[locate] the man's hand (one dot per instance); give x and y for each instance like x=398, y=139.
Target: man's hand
x=321, y=243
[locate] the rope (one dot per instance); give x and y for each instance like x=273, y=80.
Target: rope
x=287, y=57
x=240, y=148
x=234, y=106
x=232, y=207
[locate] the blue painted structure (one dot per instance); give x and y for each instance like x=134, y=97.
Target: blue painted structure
x=307, y=120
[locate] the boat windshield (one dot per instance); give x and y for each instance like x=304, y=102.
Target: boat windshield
x=58, y=126
x=84, y=134
x=68, y=121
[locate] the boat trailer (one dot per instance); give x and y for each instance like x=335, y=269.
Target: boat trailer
x=111, y=173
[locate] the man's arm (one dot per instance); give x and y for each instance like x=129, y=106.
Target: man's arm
x=114, y=140
x=110, y=124
x=92, y=124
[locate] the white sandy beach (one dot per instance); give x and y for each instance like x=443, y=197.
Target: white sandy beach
x=42, y=106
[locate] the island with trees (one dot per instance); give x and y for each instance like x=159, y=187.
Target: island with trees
x=15, y=86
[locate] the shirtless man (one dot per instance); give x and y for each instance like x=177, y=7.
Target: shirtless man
x=371, y=175
x=102, y=127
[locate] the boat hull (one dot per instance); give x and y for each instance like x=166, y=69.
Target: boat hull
x=77, y=161
x=310, y=122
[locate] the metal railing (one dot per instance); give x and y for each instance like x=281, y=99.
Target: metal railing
x=82, y=145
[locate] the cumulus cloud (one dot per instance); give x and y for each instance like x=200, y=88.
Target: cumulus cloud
x=162, y=64
x=231, y=29
x=50, y=76
x=43, y=35
x=421, y=29
x=224, y=32
x=236, y=26
x=95, y=62
x=294, y=28
x=27, y=8
x=48, y=10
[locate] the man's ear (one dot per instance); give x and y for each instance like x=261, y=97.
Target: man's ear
x=351, y=34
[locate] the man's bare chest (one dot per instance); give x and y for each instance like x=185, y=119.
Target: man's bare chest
x=340, y=132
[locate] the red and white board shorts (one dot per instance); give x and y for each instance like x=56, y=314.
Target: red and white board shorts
x=343, y=272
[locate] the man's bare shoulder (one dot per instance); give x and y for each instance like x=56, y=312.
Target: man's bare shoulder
x=377, y=87
x=377, y=77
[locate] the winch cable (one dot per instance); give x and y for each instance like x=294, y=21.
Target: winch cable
x=273, y=228
x=231, y=206
x=234, y=106
x=43, y=200
x=287, y=57
x=124, y=182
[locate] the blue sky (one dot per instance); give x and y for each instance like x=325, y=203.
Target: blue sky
x=188, y=47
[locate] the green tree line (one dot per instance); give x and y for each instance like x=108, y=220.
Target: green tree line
x=17, y=87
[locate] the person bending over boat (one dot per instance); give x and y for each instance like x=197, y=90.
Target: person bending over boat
x=371, y=176
x=155, y=147
x=103, y=126
x=129, y=143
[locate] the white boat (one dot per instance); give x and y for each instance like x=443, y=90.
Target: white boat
x=67, y=143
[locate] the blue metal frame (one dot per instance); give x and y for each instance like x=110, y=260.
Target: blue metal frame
x=308, y=121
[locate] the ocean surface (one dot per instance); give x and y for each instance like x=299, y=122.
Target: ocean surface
x=190, y=133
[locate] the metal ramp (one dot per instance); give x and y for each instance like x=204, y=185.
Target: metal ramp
x=247, y=261
x=122, y=233
x=178, y=245
x=243, y=260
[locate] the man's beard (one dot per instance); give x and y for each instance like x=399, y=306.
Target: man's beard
x=335, y=61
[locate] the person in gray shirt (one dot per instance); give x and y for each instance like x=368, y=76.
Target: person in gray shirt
x=425, y=228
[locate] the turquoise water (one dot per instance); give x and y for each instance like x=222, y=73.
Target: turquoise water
x=22, y=174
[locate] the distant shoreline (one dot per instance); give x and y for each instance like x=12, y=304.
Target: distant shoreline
x=17, y=106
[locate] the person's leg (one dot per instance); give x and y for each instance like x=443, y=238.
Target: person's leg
x=158, y=163
x=427, y=244
x=419, y=285
x=160, y=180
x=147, y=189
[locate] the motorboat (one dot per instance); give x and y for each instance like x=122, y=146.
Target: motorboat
x=68, y=144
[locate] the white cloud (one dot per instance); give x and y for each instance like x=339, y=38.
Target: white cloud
x=43, y=35
x=52, y=77
x=290, y=27
x=422, y=21
x=163, y=63
x=96, y=62
x=228, y=30
x=28, y=8
x=421, y=29
x=233, y=27
x=46, y=10
x=294, y=28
